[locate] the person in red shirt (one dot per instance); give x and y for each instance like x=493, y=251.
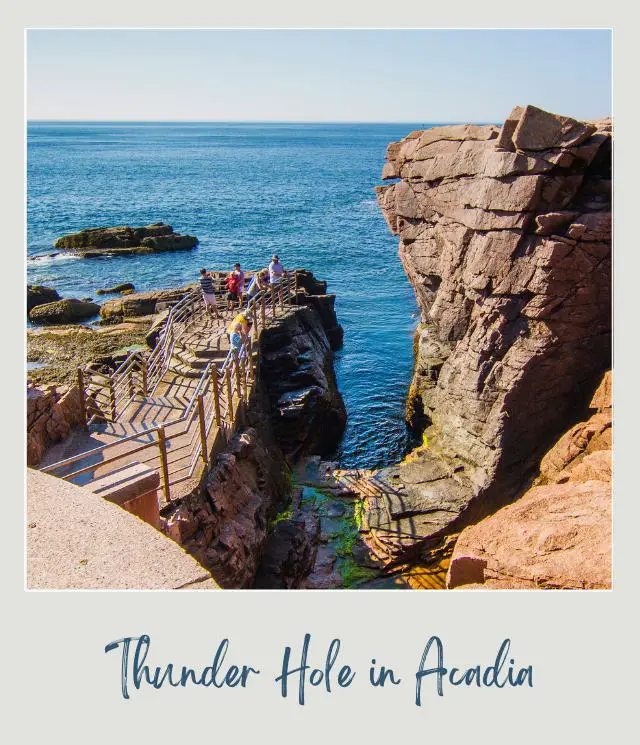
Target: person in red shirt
x=235, y=287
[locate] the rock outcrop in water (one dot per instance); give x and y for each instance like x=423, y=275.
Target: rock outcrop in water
x=558, y=534
x=40, y=295
x=505, y=234
x=124, y=241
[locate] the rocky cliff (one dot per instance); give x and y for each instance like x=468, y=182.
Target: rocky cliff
x=505, y=234
x=296, y=409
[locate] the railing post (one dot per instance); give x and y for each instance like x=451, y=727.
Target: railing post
x=203, y=429
x=281, y=292
x=216, y=394
x=131, y=389
x=263, y=312
x=227, y=373
x=255, y=321
x=83, y=400
x=246, y=374
x=112, y=400
x=162, y=446
x=273, y=301
x=236, y=367
x=295, y=287
x=144, y=377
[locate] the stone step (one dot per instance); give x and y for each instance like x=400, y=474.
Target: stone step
x=179, y=368
x=185, y=357
x=204, y=351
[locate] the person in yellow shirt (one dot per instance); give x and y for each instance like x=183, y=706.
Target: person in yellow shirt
x=239, y=329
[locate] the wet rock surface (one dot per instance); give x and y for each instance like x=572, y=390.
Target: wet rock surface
x=505, y=234
x=125, y=240
x=122, y=287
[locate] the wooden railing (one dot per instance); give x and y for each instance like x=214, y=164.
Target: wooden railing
x=105, y=397
x=176, y=449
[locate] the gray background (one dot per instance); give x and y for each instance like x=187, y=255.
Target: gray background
x=60, y=686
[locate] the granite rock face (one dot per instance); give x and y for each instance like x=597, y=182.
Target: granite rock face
x=290, y=553
x=554, y=537
x=296, y=367
x=558, y=534
x=124, y=240
x=224, y=525
x=52, y=412
x=505, y=234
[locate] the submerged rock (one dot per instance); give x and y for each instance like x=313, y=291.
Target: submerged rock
x=68, y=310
x=124, y=287
x=125, y=240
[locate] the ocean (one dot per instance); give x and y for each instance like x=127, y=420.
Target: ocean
x=246, y=190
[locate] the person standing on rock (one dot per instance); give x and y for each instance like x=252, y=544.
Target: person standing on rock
x=208, y=293
x=276, y=272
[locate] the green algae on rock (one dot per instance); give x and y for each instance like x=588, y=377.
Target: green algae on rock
x=121, y=288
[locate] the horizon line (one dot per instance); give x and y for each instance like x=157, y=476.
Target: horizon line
x=244, y=121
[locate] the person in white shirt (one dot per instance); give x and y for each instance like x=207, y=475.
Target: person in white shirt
x=276, y=271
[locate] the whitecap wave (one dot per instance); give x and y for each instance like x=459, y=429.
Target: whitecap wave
x=46, y=259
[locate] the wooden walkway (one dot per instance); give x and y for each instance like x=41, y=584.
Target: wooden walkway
x=173, y=408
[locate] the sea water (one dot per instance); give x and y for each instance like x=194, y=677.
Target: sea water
x=303, y=191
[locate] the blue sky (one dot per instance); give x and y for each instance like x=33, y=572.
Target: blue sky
x=386, y=76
